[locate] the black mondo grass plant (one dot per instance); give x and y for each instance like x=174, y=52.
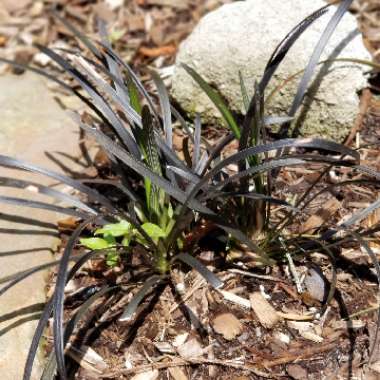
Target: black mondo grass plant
x=166, y=199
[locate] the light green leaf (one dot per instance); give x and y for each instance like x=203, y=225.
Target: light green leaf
x=112, y=259
x=216, y=99
x=116, y=34
x=126, y=241
x=95, y=243
x=116, y=229
x=154, y=231
x=170, y=211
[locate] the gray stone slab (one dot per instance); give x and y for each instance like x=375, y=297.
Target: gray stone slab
x=31, y=123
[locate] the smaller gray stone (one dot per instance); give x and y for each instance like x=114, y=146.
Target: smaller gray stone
x=316, y=285
x=241, y=36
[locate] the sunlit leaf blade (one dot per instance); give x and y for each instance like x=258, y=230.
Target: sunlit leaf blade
x=141, y=169
x=112, y=54
x=187, y=176
x=79, y=35
x=252, y=195
x=113, y=66
x=132, y=116
x=216, y=99
x=279, y=163
x=314, y=143
x=244, y=92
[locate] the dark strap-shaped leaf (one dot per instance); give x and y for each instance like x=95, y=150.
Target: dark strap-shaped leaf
x=284, y=46
x=58, y=302
x=121, y=90
x=47, y=313
x=165, y=108
x=197, y=141
x=139, y=296
x=51, y=364
x=91, y=193
x=210, y=277
x=35, y=187
x=42, y=206
x=141, y=169
x=98, y=100
x=313, y=62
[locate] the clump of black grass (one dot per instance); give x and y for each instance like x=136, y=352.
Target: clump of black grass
x=181, y=195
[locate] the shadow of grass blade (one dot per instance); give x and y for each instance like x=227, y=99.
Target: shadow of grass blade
x=216, y=99
x=136, y=300
x=18, y=277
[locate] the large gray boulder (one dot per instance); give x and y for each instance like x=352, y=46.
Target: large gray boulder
x=241, y=37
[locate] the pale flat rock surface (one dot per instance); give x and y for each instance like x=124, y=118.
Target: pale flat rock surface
x=241, y=36
x=31, y=124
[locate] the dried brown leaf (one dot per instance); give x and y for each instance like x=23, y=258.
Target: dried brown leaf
x=227, y=325
x=264, y=311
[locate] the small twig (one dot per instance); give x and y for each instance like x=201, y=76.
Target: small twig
x=197, y=285
x=260, y=276
x=182, y=362
x=306, y=353
x=361, y=312
x=365, y=101
x=294, y=273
